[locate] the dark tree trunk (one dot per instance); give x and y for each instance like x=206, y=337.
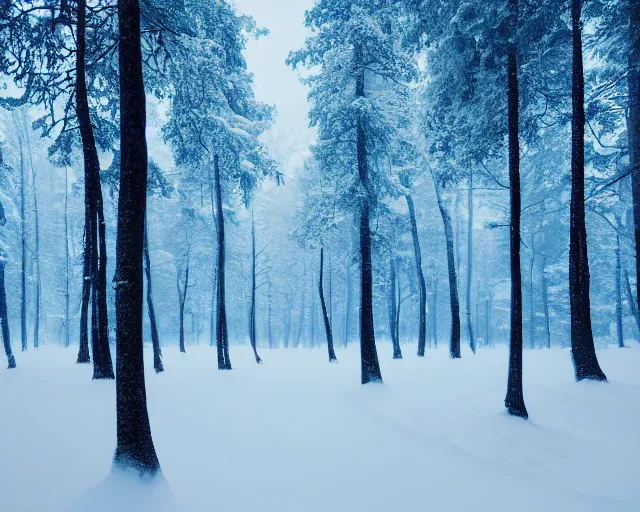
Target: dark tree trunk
x=633, y=305
x=583, y=350
x=472, y=339
x=633, y=127
x=67, y=339
x=454, y=346
x=83, y=349
x=4, y=320
x=422, y=330
x=325, y=315
x=269, y=332
x=155, y=339
x=135, y=450
x=23, y=271
x=222, y=340
x=370, y=367
x=432, y=325
x=347, y=307
x=96, y=259
x=514, y=400
x=36, y=319
x=532, y=311
x=252, y=313
x=545, y=306
x=182, y=298
x=393, y=308
x=398, y=309
x=619, y=329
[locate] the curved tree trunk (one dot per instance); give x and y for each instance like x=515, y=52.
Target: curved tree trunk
x=370, y=367
x=454, y=345
x=102, y=364
x=325, y=316
x=155, y=339
x=222, y=340
x=583, y=351
x=135, y=450
x=422, y=331
x=252, y=313
x=514, y=400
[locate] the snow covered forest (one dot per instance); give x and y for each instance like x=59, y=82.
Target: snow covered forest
x=406, y=231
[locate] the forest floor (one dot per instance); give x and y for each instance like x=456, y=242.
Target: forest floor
x=300, y=434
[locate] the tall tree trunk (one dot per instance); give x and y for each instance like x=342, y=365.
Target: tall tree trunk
x=67, y=339
x=347, y=307
x=370, y=367
x=619, y=329
x=182, y=298
x=96, y=261
x=514, y=400
x=287, y=325
x=472, y=339
x=222, y=340
x=83, y=348
x=36, y=319
x=583, y=350
x=393, y=308
x=4, y=319
x=454, y=345
x=433, y=310
x=269, y=332
x=252, y=313
x=633, y=305
x=301, y=320
x=325, y=315
x=313, y=313
x=633, y=128
x=135, y=450
x=155, y=339
x=487, y=322
x=23, y=236
x=422, y=330
x=532, y=311
x=545, y=305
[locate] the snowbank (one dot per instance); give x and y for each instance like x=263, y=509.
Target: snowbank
x=300, y=434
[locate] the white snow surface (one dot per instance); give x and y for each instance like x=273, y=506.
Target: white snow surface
x=300, y=434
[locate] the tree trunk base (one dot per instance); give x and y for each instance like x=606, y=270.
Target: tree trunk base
x=143, y=462
x=12, y=362
x=397, y=355
x=517, y=408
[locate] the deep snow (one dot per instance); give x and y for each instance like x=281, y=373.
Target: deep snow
x=300, y=434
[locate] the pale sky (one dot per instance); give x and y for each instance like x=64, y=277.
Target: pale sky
x=275, y=82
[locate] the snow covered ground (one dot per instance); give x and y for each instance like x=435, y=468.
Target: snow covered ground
x=299, y=434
